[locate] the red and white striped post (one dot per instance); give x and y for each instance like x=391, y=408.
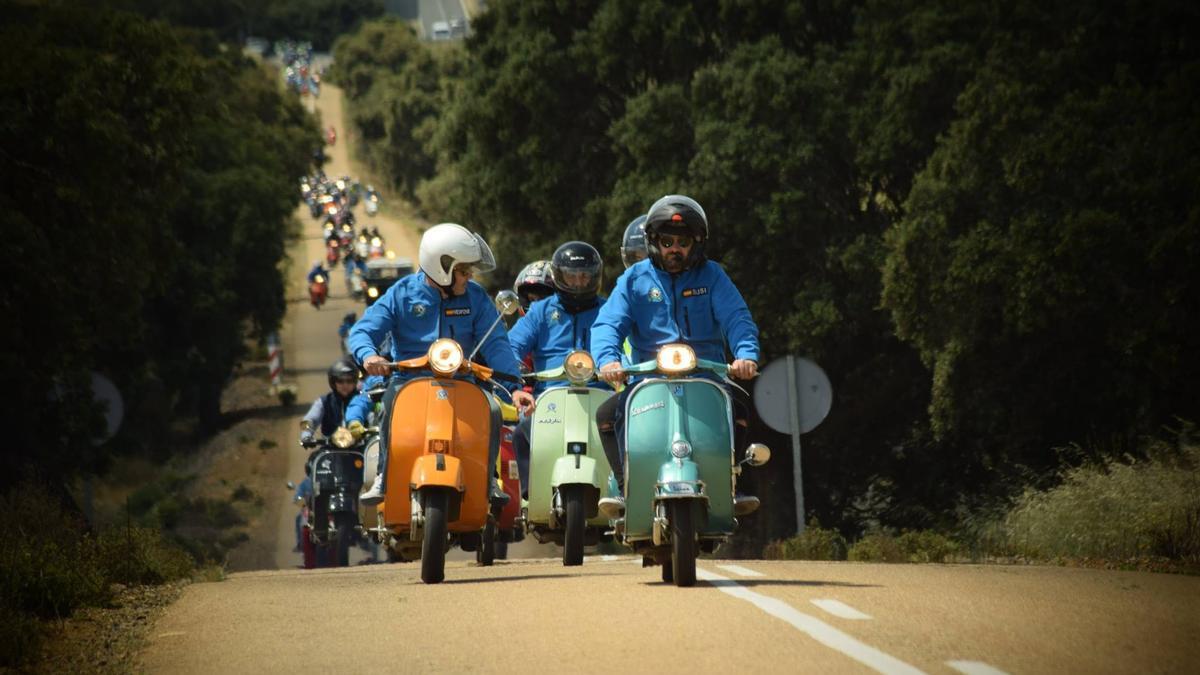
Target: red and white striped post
x=275, y=361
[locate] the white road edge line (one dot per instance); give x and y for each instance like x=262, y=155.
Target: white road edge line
x=839, y=609
x=814, y=627
x=975, y=668
x=741, y=571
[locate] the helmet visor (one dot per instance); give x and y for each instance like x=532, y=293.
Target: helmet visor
x=578, y=280
x=486, y=262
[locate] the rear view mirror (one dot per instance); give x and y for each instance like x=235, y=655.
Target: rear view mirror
x=507, y=302
x=291, y=485
x=757, y=454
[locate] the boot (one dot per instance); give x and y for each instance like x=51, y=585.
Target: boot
x=375, y=494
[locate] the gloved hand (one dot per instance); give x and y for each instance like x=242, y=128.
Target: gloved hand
x=356, y=429
x=306, y=437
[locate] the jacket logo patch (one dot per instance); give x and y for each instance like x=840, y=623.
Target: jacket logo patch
x=419, y=310
x=654, y=295
x=555, y=316
x=689, y=292
x=458, y=311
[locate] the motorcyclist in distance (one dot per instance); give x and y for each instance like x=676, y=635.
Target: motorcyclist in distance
x=318, y=268
x=533, y=283
x=328, y=412
x=633, y=244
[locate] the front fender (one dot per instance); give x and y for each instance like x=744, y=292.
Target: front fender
x=437, y=470
x=679, y=479
x=574, y=469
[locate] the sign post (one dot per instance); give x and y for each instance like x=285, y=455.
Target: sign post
x=793, y=396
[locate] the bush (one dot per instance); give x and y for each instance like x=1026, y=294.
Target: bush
x=877, y=547
x=20, y=637
x=1115, y=510
x=815, y=543
x=926, y=546
x=139, y=555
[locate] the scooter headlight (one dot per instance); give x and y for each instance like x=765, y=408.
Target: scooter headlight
x=373, y=292
x=676, y=359
x=681, y=449
x=579, y=366
x=445, y=356
x=319, y=279
x=342, y=437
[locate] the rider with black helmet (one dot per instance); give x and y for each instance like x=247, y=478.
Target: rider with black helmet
x=328, y=412
x=633, y=244
x=676, y=295
x=559, y=324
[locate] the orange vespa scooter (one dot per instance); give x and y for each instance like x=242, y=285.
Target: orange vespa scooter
x=437, y=474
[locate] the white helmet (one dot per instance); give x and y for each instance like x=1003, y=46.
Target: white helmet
x=444, y=246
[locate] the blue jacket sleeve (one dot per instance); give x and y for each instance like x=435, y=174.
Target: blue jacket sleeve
x=375, y=324
x=358, y=408
x=612, y=324
x=740, y=331
x=523, y=335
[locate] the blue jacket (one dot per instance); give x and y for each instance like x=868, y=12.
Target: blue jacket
x=361, y=405
x=317, y=269
x=414, y=314
x=550, y=332
x=651, y=307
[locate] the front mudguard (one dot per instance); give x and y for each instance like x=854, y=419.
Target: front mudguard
x=679, y=478
x=570, y=469
x=437, y=470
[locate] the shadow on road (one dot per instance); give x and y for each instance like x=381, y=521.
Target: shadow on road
x=487, y=580
x=785, y=582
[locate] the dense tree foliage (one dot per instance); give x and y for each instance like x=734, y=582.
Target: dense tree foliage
x=977, y=217
x=149, y=182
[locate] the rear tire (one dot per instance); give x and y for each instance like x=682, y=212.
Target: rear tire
x=668, y=572
x=572, y=497
x=501, y=550
x=683, y=543
x=433, y=543
x=487, y=547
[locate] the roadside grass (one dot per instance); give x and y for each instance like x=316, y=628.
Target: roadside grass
x=51, y=565
x=1129, y=514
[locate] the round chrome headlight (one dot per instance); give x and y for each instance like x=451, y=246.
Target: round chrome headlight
x=373, y=292
x=445, y=356
x=676, y=358
x=681, y=449
x=342, y=437
x=579, y=366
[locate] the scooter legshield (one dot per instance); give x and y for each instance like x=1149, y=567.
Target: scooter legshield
x=565, y=418
x=431, y=415
x=659, y=412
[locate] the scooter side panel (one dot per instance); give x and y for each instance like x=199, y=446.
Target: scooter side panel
x=659, y=412
x=563, y=415
x=428, y=409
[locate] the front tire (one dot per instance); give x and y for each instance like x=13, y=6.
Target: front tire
x=344, y=522
x=433, y=543
x=683, y=543
x=572, y=497
x=487, y=547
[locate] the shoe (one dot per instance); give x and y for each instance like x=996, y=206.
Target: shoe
x=498, y=496
x=375, y=494
x=611, y=507
x=744, y=504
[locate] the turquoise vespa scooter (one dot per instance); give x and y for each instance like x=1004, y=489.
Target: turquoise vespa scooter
x=679, y=470
x=568, y=472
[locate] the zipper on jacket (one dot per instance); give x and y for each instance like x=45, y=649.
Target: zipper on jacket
x=687, y=321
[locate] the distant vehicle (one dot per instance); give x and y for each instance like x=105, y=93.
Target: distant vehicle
x=458, y=27
x=382, y=273
x=440, y=30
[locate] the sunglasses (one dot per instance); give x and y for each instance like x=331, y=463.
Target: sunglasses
x=680, y=240
x=464, y=270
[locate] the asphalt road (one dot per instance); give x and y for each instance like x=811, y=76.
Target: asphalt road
x=613, y=616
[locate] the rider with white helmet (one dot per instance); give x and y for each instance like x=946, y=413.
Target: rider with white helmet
x=439, y=301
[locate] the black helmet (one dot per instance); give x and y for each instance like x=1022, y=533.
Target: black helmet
x=633, y=244
x=578, y=272
x=534, y=278
x=343, y=367
x=676, y=212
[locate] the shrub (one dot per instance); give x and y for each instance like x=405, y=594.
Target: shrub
x=20, y=637
x=926, y=546
x=139, y=555
x=877, y=546
x=1115, y=510
x=815, y=543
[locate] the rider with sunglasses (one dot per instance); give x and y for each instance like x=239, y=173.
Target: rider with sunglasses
x=328, y=412
x=675, y=295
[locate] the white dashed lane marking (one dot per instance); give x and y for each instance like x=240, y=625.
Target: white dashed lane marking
x=840, y=609
x=814, y=627
x=741, y=571
x=975, y=668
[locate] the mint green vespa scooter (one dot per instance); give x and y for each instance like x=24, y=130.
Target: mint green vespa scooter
x=568, y=472
x=679, y=468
